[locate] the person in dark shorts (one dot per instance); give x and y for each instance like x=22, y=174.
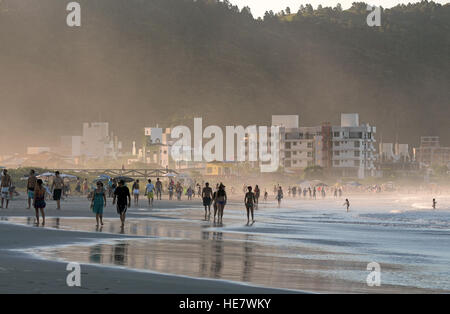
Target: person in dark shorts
x=31, y=185
x=207, y=199
x=123, y=197
x=39, y=200
x=57, y=188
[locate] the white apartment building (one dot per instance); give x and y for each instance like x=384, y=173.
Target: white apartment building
x=156, y=149
x=96, y=142
x=353, y=147
x=346, y=150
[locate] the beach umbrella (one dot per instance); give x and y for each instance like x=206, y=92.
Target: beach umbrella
x=170, y=175
x=125, y=179
x=321, y=184
x=103, y=178
x=68, y=177
x=46, y=175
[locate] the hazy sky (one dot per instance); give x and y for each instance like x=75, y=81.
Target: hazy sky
x=258, y=7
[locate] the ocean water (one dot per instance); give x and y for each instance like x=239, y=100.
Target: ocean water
x=312, y=245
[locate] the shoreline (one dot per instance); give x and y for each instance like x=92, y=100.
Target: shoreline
x=101, y=278
x=53, y=245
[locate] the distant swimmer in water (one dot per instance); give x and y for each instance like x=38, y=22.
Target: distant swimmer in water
x=250, y=201
x=347, y=203
x=434, y=203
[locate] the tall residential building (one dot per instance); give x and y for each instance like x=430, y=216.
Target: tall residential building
x=353, y=147
x=156, y=148
x=345, y=150
x=430, y=152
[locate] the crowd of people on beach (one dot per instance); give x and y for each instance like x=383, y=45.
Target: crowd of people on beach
x=38, y=192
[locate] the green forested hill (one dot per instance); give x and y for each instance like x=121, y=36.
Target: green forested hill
x=142, y=62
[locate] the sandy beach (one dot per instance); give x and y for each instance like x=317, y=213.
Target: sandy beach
x=305, y=246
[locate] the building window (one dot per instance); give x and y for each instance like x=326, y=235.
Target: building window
x=310, y=145
x=337, y=153
x=336, y=144
x=337, y=134
x=356, y=163
x=357, y=154
x=336, y=162
x=288, y=146
x=309, y=154
x=357, y=144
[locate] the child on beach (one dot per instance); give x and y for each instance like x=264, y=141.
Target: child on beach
x=98, y=203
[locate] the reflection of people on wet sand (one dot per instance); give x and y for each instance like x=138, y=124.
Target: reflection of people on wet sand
x=120, y=254
x=217, y=261
x=248, y=260
x=122, y=194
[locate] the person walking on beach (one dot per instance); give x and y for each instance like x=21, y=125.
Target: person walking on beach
x=266, y=195
x=347, y=203
x=78, y=186
x=170, y=189
x=199, y=190
x=136, y=192
x=123, y=197
x=31, y=185
x=39, y=200
x=98, y=202
x=221, y=197
x=179, y=190
x=85, y=187
x=257, y=195
x=5, y=184
x=279, y=195
x=249, y=201
x=57, y=188
x=434, y=203
x=149, y=192
x=207, y=194
x=158, y=186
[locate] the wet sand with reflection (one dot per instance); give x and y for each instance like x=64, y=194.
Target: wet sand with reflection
x=185, y=246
